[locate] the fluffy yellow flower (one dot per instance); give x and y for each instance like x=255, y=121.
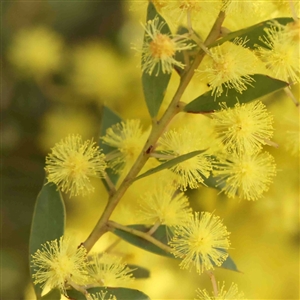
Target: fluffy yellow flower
x=159, y=49
x=201, y=242
x=108, y=270
x=72, y=162
x=36, y=51
x=128, y=139
x=229, y=65
x=94, y=72
x=281, y=52
x=246, y=176
x=162, y=204
x=245, y=127
x=231, y=294
x=191, y=172
x=58, y=264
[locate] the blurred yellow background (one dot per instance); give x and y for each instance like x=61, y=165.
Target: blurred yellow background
x=64, y=60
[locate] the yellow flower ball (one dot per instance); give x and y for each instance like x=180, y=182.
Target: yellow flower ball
x=36, y=51
x=98, y=72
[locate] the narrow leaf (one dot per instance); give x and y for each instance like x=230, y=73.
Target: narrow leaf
x=170, y=163
x=263, y=85
x=48, y=222
x=229, y=264
x=155, y=85
x=180, y=56
x=139, y=272
x=161, y=235
x=120, y=293
x=109, y=118
x=252, y=33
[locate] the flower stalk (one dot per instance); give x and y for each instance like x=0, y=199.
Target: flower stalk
x=214, y=283
x=157, y=130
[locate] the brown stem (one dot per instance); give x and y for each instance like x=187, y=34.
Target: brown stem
x=157, y=130
x=110, y=184
x=216, y=30
x=214, y=283
x=291, y=95
x=154, y=228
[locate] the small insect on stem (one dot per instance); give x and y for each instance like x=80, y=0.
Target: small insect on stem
x=149, y=149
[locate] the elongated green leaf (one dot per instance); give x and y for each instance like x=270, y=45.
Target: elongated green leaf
x=120, y=293
x=180, y=56
x=139, y=272
x=48, y=221
x=252, y=33
x=262, y=86
x=161, y=235
x=109, y=118
x=155, y=85
x=52, y=295
x=170, y=163
x=229, y=264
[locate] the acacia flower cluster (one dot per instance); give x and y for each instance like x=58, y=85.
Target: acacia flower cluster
x=281, y=51
x=243, y=170
x=108, y=270
x=229, y=65
x=58, y=264
x=192, y=171
x=244, y=128
x=160, y=47
x=231, y=152
x=128, y=139
x=61, y=264
x=202, y=242
x=246, y=176
x=164, y=205
x=71, y=164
